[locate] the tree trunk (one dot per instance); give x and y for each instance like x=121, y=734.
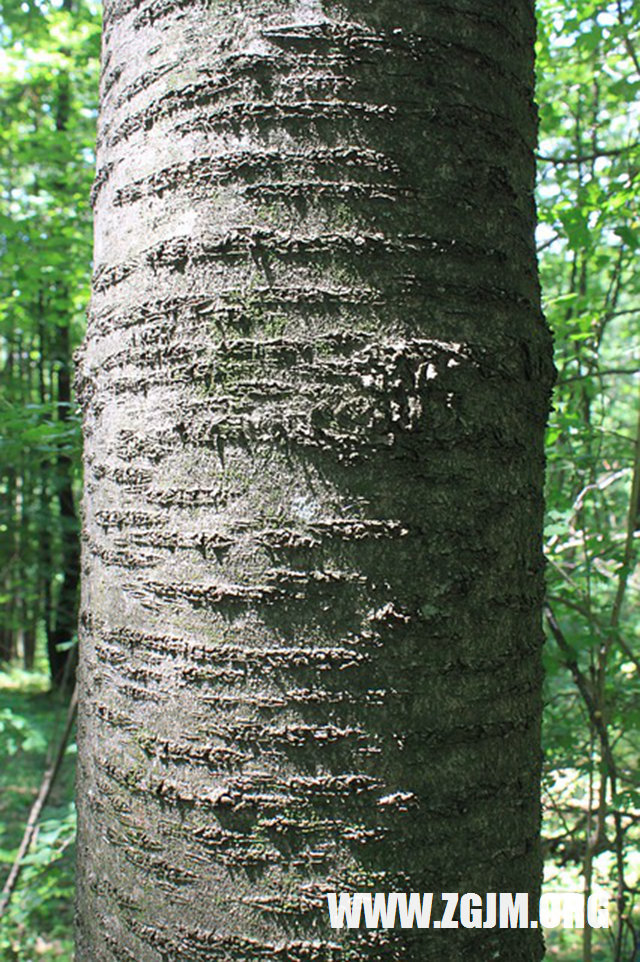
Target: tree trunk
x=8, y=586
x=10, y=540
x=64, y=617
x=314, y=384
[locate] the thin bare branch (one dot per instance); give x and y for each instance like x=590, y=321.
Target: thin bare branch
x=38, y=805
x=583, y=158
x=631, y=50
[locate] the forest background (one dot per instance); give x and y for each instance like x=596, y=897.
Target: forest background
x=588, y=62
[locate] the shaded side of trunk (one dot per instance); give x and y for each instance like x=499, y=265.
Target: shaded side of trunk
x=314, y=386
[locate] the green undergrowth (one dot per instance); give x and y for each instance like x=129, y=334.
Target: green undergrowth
x=37, y=926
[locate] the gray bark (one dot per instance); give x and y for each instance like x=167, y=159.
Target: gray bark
x=315, y=384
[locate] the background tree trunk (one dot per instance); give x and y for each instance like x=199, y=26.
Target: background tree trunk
x=314, y=384
x=64, y=617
